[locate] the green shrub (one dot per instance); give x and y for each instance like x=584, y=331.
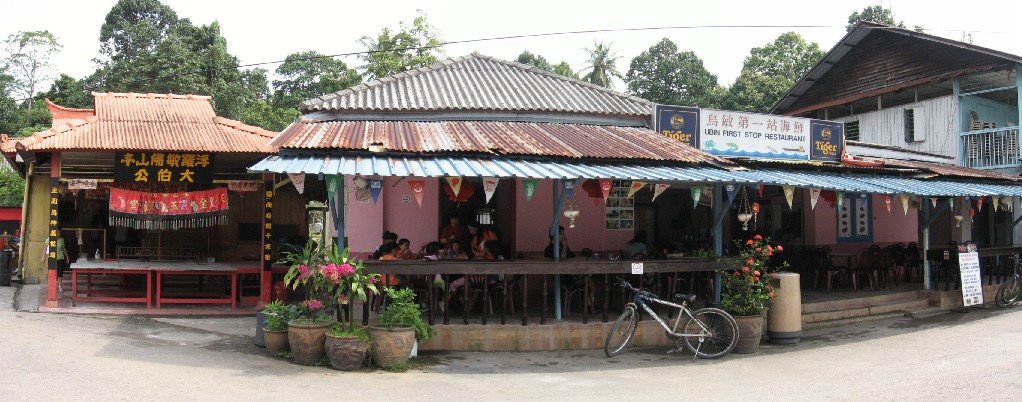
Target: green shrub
x=402, y=309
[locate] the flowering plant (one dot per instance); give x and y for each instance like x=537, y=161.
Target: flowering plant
x=747, y=289
x=329, y=280
x=350, y=275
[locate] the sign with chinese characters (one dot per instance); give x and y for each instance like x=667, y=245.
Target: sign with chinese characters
x=163, y=167
x=168, y=211
x=972, y=282
x=244, y=186
x=751, y=135
x=679, y=123
x=82, y=184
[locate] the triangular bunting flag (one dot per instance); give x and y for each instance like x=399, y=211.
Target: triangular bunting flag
x=331, y=186
x=840, y=198
x=760, y=189
x=375, y=189
x=979, y=203
x=418, y=186
x=731, y=190
x=635, y=187
x=298, y=179
x=951, y=203
x=814, y=195
x=995, y=201
x=933, y=201
x=1009, y=203
x=455, y=183
x=904, y=203
x=490, y=187
x=659, y=189
x=569, y=188
x=789, y=194
x=530, y=188
x=887, y=202
x=696, y=191
x=605, y=186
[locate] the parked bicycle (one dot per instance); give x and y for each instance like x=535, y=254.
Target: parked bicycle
x=708, y=332
x=1011, y=290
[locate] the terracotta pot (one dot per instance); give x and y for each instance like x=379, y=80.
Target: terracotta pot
x=392, y=343
x=750, y=332
x=346, y=353
x=306, y=340
x=276, y=341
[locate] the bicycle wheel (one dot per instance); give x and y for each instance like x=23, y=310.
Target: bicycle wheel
x=1009, y=292
x=621, y=333
x=718, y=333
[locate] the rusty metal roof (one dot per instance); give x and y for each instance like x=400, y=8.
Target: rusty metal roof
x=130, y=121
x=492, y=138
x=950, y=170
x=480, y=83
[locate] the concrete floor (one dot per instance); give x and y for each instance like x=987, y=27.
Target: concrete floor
x=972, y=355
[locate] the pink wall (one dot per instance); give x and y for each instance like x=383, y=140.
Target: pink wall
x=888, y=227
x=533, y=222
x=365, y=221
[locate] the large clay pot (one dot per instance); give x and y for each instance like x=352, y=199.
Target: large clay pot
x=750, y=332
x=346, y=353
x=392, y=343
x=276, y=341
x=306, y=340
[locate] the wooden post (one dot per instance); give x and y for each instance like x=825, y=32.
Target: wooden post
x=266, y=240
x=53, y=264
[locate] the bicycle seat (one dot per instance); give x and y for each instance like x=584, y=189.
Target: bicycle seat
x=685, y=297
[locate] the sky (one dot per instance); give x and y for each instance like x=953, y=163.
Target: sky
x=262, y=31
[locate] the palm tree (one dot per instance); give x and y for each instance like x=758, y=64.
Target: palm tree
x=601, y=65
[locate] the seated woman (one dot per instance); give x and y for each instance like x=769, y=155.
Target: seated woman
x=404, y=250
x=389, y=251
x=431, y=251
x=479, y=236
x=636, y=247
x=565, y=250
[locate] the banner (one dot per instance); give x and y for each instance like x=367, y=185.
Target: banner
x=530, y=188
x=375, y=189
x=298, y=179
x=455, y=183
x=814, y=195
x=490, y=187
x=680, y=123
x=731, y=190
x=244, y=186
x=168, y=211
x=569, y=188
x=659, y=189
x=995, y=201
x=605, y=186
x=696, y=192
x=789, y=195
x=760, y=189
x=82, y=184
x=887, y=202
x=635, y=187
x=163, y=167
x=752, y=135
x=418, y=186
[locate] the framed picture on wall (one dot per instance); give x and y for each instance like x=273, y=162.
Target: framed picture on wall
x=620, y=213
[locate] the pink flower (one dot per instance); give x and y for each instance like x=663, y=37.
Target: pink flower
x=770, y=294
x=346, y=269
x=331, y=273
x=745, y=269
x=303, y=272
x=757, y=237
x=374, y=280
x=342, y=299
x=748, y=242
x=779, y=248
x=314, y=304
x=758, y=249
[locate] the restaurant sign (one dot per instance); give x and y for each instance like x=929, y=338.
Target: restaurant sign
x=751, y=135
x=972, y=281
x=163, y=167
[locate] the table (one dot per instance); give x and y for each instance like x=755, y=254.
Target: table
x=109, y=271
x=847, y=255
x=151, y=270
x=197, y=270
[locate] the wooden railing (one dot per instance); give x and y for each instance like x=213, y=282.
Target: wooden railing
x=991, y=148
x=520, y=289
x=995, y=265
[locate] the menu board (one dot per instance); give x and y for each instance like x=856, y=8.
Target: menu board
x=620, y=213
x=972, y=280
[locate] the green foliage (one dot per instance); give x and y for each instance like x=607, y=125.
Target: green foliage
x=69, y=92
x=403, y=310
x=662, y=74
x=878, y=14
x=306, y=75
x=540, y=62
x=12, y=189
x=263, y=114
x=769, y=71
x=602, y=65
x=349, y=330
x=747, y=290
x=29, y=61
x=278, y=314
x=392, y=52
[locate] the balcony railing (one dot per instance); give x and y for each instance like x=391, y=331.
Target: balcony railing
x=991, y=148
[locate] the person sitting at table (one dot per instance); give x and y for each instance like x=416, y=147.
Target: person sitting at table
x=565, y=250
x=457, y=252
x=636, y=247
x=479, y=236
x=385, y=239
x=454, y=232
x=404, y=250
x=492, y=251
x=431, y=251
x=389, y=252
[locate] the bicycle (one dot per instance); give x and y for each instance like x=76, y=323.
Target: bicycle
x=709, y=327
x=1011, y=290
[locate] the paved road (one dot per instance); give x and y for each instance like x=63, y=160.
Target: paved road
x=974, y=356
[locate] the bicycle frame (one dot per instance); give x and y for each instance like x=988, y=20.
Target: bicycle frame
x=641, y=300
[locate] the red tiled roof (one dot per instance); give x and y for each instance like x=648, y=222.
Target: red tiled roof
x=64, y=115
x=130, y=121
x=492, y=137
x=7, y=144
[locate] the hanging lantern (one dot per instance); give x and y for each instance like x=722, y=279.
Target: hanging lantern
x=570, y=212
x=755, y=212
x=744, y=211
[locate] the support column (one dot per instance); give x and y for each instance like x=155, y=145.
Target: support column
x=52, y=263
x=721, y=206
x=558, y=204
x=926, y=244
x=266, y=290
x=337, y=211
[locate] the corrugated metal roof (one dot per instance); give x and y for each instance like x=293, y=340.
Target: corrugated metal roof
x=515, y=168
x=947, y=169
x=152, y=121
x=477, y=82
x=494, y=138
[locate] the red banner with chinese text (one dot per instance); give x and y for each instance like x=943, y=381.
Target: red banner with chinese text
x=168, y=211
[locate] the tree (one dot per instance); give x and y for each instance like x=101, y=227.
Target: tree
x=771, y=70
x=877, y=14
x=29, y=61
x=134, y=28
x=12, y=188
x=306, y=75
x=390, y=52
x=664, y=75
x=263, y=114
x=602, y=65
x=8, y=107
x=69, y=92
x=540, y=62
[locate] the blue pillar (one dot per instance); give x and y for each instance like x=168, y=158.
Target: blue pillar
x=337, y=210
x=558, y=203
x=720, y=207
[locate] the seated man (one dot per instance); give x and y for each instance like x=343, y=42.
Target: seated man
x=565, y=250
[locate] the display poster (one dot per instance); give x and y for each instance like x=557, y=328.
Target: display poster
x=827, y=140
x=972, y=281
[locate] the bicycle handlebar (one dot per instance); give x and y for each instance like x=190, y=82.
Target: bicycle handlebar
x=642, y=292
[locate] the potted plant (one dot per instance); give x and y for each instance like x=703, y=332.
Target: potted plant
x=347, y=346
x=307, y=332
x=278, y=315
x=746, y=291
x=401, y=324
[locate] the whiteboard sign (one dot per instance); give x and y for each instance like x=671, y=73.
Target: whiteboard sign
x=637, y=268
x=972, y=282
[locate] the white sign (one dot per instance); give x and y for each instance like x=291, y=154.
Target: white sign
x=637, y=268
x=81, y=184
x=244, y=185
x=972, y=282
x=728, y=133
